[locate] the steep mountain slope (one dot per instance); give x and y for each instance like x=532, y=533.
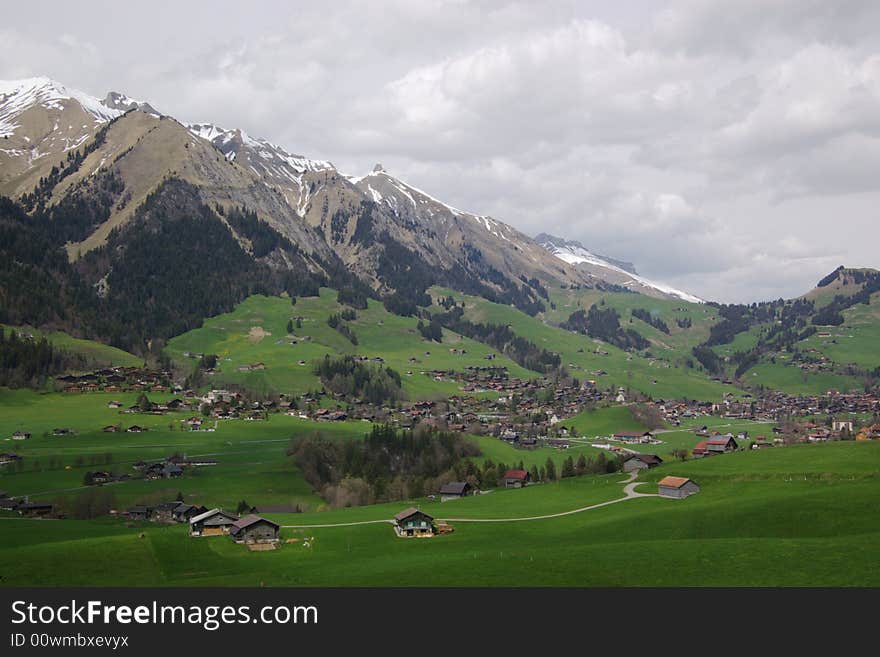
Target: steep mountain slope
x=448, y=237
x=88, y=180
x=613, y=271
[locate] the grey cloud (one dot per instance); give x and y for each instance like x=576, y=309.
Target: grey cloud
x=707, y=142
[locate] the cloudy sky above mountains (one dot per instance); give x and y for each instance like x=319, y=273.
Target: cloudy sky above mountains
x=728, y=148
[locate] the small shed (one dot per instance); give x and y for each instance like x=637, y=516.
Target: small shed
x=412, y=522
x=677, y=487
x=254, y=529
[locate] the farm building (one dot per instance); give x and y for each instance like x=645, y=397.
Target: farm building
x=211, y=523
x=21, y=435
x=413, y=523
x=455, y=489
x=516, y=478
x=721, y=443
x=641, y=462
x=634, y=436
x=139, y=512
x=34, y=509
x=254, y=529
x=677, y=487
x=185, y=512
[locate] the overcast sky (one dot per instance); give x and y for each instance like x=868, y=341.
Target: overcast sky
x=729, y=148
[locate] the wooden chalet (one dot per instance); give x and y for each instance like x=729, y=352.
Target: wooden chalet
x=413, y=523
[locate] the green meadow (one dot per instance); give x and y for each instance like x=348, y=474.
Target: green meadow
x=256, y=332
x=794, y=516
x=659, y=377
x=95, y=352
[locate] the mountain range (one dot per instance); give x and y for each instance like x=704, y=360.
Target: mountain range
x=107, y=178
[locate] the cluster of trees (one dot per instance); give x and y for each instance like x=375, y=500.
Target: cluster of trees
x=684, y=322
x=604, y=324
x=502, y=338
x=81, y=211
x=404, y=271
x=337, y=321
x=708, y=359
x=647, y=416
x=432, y=331
x=94, y=502
x=263, y=238
x=351, y=377
x=649, y=318
x=387, y=465
x=354, y=297
x=31, y=362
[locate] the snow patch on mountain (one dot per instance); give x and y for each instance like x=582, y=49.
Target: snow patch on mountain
x=273, y=158
x=17, y=96
x=574, y=254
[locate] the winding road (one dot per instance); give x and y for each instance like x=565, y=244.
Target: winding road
x=629, y=493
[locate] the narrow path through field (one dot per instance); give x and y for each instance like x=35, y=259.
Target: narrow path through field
x=629, y=493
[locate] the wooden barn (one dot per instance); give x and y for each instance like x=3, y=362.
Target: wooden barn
x=677, y=487
x=641, y=462
x=215, y=522
x=454, y=490
x=254, y=529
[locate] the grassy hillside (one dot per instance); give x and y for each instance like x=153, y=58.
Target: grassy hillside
x=796, y=516
x=256, y=331
x=658, y=377
x=96, y=352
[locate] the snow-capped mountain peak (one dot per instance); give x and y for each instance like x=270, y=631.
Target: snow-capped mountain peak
x=263, y=156
x=18, y=96
x=118, y=101
x=574, y=253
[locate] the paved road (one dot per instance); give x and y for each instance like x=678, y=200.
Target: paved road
x=629, y=493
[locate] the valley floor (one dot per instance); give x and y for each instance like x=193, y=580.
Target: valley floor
x=794, y=516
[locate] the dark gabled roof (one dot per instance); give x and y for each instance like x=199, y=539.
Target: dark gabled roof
x=648, y=459
x=455, y=488
x=247, y=521
x=406, y=513
x=167, y=506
